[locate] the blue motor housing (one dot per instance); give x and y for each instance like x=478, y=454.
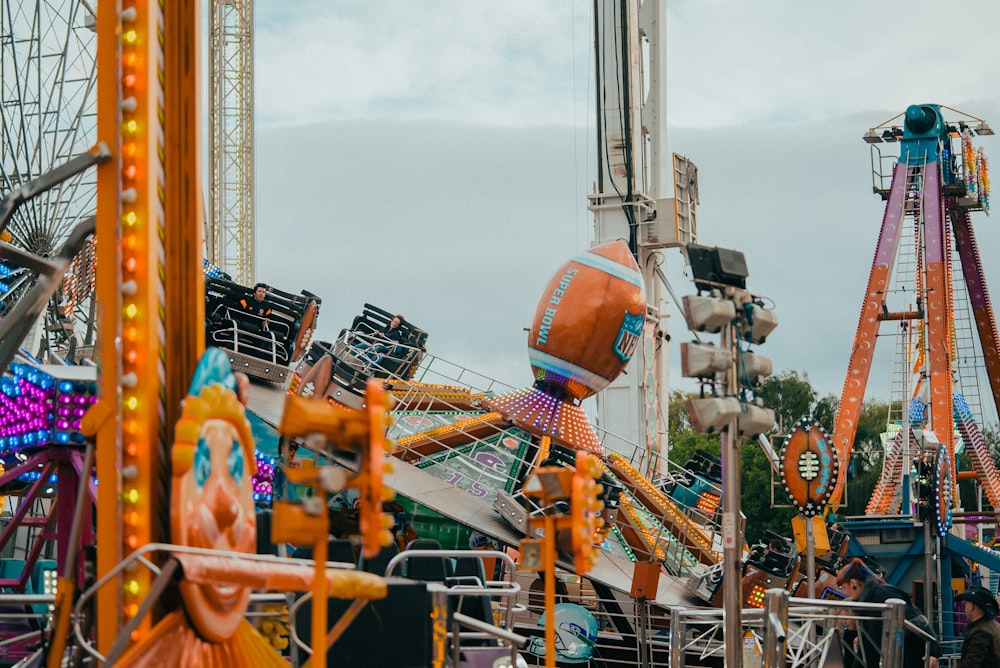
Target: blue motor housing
x=925, y=134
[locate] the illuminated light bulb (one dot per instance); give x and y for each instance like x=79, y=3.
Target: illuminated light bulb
x=133, y=541
x=128, y=80
x=130, y=172
x=132, y=496
x=132, y=587
x=131, y=311
x=131, y=403
x=130, y=36
x=132, y=449
x=130, y=218
x=131, y=126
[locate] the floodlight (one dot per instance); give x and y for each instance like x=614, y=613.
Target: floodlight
x=713, y=265
x=927, y=439
x=711, y=414
x=760, y=323
x=871, y=137
x=707, y=314
x=983, y=128
x=703, y=360
x=754, y=420
x=754, y=367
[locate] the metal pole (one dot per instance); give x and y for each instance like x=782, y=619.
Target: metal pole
x=320, y=588
x=930, y=573
x=643, y=641
x=676, y=639
x=810, y=558
x=892, y=634
x=549, y=564
x=66, y=588
x=775, y=627
x=732, y=539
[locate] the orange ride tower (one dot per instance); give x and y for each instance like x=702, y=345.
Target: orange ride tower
x=149, y=283
x=937, y=181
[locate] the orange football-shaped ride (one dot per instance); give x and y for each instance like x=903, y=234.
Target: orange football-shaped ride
x=588, y=322
x=585, y=328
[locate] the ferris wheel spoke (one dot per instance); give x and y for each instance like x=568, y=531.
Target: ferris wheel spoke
x=48, y=116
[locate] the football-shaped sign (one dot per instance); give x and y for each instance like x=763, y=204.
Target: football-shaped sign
x=808, y=466
x=588, y=321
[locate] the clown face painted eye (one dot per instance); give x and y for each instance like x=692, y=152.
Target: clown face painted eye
x=236, y=462
x=202, y=462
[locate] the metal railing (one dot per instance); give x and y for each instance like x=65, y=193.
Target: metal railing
x=144, y=558
x=482, y=467
x=792, y=632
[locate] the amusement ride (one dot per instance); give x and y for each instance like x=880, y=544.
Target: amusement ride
x=191, y=483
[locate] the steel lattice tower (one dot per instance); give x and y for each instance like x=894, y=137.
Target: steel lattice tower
x=231, y=236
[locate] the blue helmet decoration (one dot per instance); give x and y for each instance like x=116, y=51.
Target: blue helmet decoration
x=576, y=634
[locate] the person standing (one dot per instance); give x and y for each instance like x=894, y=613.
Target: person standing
x=981, y=644
x=861, y=584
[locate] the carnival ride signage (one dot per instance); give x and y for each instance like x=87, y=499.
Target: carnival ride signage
x=808, y=466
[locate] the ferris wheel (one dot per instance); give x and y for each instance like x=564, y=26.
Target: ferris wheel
x=48, y=114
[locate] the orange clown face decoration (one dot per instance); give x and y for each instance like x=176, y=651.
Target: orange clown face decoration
x=212, y=501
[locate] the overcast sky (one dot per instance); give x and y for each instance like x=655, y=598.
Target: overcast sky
x=433, y=158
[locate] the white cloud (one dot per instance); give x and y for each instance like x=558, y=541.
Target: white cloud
x=505, y=63
x=526, y=62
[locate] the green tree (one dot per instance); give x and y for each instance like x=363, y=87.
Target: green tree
x=790, y=396
x=867, y=457
x=684, y=441
x=755, y=468
x=825, y=411
x=755, y=496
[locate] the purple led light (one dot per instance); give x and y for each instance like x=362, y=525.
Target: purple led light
x=33, y=407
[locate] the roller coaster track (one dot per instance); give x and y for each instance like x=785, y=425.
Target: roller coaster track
x=979, y=454
x=692, y=536
x=979, y=297
x=886, y=497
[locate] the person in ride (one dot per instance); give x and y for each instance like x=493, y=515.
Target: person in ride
x=258, y=305
x=394, y=332
x=387, y=341
x=981, y=644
